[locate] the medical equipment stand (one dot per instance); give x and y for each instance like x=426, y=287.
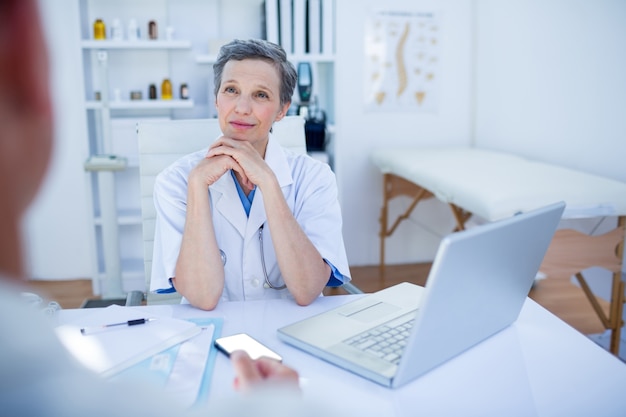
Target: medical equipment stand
x=105, y=164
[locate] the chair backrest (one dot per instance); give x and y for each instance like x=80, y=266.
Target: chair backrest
x=162, y=142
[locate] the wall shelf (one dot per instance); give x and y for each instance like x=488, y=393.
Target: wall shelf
x=141, y=104
x=140, y=44
x=124, y=218
x=313, y=58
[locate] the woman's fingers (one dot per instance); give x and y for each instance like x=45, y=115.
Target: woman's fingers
x=253, y=165
x=210, y=169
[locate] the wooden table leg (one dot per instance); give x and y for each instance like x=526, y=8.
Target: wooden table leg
x=617, y=296
x=394, y=186
x=605, y=251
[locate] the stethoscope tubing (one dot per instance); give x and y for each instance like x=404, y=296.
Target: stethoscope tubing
x=267, y=283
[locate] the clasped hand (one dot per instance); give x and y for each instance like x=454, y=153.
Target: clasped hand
x=230, y=154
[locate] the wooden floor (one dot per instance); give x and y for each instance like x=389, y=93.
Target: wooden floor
x=562, y=298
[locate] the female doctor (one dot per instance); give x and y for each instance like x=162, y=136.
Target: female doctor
x=248, y=219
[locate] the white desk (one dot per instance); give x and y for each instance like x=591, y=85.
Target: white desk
x=537, y=367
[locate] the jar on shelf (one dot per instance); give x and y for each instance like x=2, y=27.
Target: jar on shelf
x=99, y=30
x=184, y=91
x=133, y=30
x=117, y=33
x=152, y=30
x=166, y=89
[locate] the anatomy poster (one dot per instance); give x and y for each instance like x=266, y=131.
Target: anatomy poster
x=402, y=61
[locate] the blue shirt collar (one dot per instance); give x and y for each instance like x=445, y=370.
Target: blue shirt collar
x=246, y=200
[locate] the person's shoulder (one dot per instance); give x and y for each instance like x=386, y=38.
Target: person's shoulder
x=29, y=342
x=304, y=163
x=9, y=293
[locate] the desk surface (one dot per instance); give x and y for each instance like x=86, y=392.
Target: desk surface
x=539, y=366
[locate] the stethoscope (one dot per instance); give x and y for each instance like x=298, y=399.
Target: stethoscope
x=267, y=283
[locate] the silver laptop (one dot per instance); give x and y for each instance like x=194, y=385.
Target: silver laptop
x=477, y=286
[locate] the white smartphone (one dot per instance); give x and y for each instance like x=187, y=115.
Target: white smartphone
x=248, y=344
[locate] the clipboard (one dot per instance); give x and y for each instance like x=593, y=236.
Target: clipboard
x=165, y=369
x=116, y=347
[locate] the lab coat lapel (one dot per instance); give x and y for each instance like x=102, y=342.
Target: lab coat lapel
x=275, y=158
x=257, y=215
x=227, y=203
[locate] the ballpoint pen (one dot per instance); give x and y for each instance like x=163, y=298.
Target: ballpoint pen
x=91, y=329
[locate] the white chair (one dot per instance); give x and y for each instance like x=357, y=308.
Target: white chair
x=162, y=142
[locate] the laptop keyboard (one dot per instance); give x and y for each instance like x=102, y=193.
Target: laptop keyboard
x=386, y=341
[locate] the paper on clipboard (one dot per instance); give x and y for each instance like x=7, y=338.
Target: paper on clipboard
x=184, y=370
x=186, y=376
x=111, y=351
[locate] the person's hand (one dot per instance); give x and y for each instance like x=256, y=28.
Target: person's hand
x=211, y=168
x=245, y=155
x=262, y=372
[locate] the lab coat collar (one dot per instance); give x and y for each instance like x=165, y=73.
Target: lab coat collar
x=276, y=159
x=227, y=202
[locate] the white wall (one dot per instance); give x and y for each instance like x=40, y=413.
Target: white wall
x=547, y=82
x=551, y=81
x=359, y=131
x=57, y=226
x=551, y=85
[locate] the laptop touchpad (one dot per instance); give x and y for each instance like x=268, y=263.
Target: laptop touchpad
x=367, y=312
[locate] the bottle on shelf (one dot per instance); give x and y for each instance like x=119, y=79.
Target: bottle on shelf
x=152, y=92
x=117, y=33
x=166, y=89
x=133, y=30
x=152, y=30
x=99, y=30
x=184, y=91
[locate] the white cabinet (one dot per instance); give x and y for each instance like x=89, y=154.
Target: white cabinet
x=189, y=33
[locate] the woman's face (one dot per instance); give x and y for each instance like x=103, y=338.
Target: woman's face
x=248, y=101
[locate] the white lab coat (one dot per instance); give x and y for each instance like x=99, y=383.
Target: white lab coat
x=310, y=189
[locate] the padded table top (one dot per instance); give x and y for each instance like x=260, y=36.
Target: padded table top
x=496, y=185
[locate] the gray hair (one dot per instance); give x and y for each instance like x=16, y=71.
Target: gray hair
x=239, y=50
